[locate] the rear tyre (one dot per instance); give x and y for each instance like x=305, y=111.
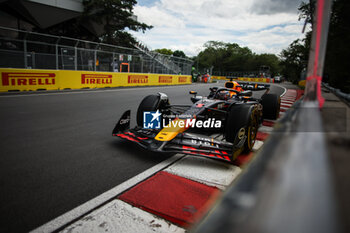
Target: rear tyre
x=149, y=104
x=271, y=106
x=243, y=120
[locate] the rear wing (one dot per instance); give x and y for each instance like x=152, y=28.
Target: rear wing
x=254, y=86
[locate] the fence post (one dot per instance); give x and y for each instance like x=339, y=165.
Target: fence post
x=76, y=55
x=141, y=63
x=95, y=56
x=57, y=61
x=25, y=51
x=33, y=60
x=113, y=62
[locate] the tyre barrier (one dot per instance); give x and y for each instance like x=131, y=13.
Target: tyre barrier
x=33, y=80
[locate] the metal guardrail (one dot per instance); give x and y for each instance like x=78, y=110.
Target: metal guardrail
x=287, y=187
x=338, y=92
x=31, y=50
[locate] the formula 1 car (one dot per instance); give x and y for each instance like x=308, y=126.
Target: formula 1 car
x=219, y=126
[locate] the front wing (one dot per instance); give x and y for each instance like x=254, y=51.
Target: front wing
x=185, y=143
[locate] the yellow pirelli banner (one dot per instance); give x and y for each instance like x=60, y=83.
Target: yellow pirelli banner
x=261, y=80
x=219, y=77
x=31, y=80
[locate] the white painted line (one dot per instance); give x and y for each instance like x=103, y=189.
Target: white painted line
x=274, y=121
x=287, y=105
x=81, y=210
x=257, y=145
x=287, y=101
x=118, y=216
x=89, y=91
x=265, y=129
x=206, y=171
x=285, y=89
x=289, y=97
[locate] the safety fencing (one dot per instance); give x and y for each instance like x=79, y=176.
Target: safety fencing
x=31, y=50
x=263, y=80
x=32, y=80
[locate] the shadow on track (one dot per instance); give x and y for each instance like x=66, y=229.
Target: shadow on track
x=126, y=148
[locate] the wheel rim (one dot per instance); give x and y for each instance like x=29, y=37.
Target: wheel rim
x=252, y=132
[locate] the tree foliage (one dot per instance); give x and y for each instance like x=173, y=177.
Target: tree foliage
x=306, y=11
x=169, y=52
x=230, y=57
x=115, y=16
x=338, y=51
x=179, y=53
x=294, y=60
x=164, y=51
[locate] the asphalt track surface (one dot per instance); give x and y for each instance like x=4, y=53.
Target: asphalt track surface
x=57, y=151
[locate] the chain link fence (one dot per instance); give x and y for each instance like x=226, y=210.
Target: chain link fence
x=30, y=50
x=251, y=74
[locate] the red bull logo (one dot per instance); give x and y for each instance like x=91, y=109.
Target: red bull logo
x=137, y=79
x=165, y=79
x=96, y=79
x=27, y=79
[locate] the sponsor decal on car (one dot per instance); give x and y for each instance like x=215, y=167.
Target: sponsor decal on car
x=27, y=79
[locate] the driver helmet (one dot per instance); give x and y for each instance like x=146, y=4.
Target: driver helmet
x=236, y=86
x=224, y=95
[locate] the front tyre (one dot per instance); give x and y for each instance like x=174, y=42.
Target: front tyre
x=243, y=120
x=149, y=104
x=271, y=106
